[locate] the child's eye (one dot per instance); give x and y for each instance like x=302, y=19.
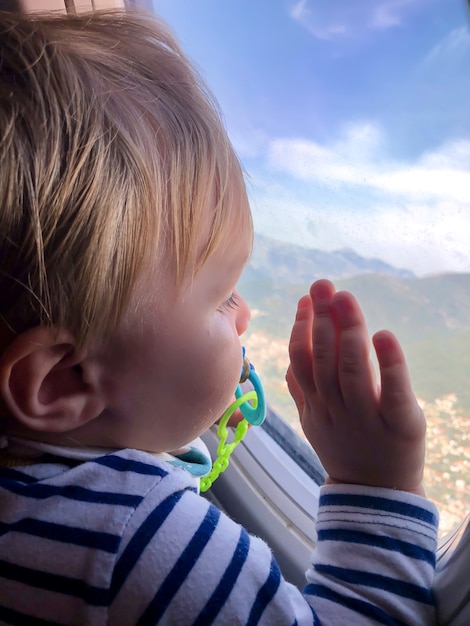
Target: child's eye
x=232, y=302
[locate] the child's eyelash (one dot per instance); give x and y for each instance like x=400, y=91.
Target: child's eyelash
x=232, y=302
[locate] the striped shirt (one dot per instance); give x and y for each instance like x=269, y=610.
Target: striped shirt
x=124, y=538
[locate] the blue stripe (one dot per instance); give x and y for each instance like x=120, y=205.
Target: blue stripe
x=40, y=491
x=315, y=619
x=265, y=594
x=380, y=504
x=378, y=581
x=227, y=582
x=356, y=606
x=66, y=534
x=9, y=473
x=385, y=543
x=141, y=539
x=10, y=616
x=119, y=464
x=95, y=596
x=181, y=569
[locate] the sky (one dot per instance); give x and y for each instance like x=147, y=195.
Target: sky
x=351, y=118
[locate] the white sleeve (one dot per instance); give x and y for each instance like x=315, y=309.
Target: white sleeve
x=375, y=557
x=182, y=561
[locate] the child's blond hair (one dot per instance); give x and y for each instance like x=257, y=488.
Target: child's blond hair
x=110, y=146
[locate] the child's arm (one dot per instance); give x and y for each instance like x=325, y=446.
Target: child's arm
x=363, y=434
x=376, y=540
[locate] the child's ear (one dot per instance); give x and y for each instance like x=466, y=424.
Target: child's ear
x=44, y=383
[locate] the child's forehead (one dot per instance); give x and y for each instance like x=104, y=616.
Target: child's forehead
x=222, y=269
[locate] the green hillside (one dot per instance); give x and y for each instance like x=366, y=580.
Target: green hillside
x=430, y=316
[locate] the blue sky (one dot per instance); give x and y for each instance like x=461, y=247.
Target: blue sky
x=352, y=118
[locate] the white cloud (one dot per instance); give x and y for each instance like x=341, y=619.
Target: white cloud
x=350, y=193
x=455, y=45
x=421, y=238
x=331, y=20
x=299, y=10
x=391, y=13
x=316, y=22
x=356, y=160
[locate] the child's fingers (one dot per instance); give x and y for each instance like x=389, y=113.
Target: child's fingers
x=300, y=345
x=324, y=342
x=355, y=372
x=295, y=391
x=398, y=403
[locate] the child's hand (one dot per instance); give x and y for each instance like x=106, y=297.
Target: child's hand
x=362, y=434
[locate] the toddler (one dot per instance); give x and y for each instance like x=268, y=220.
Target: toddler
x=124, y=228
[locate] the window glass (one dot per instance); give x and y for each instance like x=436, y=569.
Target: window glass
x=351, y=119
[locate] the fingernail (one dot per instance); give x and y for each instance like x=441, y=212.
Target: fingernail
x=321, y=290
x=303, y=302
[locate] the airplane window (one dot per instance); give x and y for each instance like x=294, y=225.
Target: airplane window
x=352, y=122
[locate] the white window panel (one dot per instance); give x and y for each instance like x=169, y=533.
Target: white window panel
x=109, y=4
x=43, y=5
x=81, y=6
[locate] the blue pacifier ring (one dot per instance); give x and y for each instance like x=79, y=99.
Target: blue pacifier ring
x=254, y=415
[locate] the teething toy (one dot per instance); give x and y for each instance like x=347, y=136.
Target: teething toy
x=252, y=405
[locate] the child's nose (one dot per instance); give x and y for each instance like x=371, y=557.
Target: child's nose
x=243, y=315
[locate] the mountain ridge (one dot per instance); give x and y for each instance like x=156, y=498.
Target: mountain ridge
x=283, y=261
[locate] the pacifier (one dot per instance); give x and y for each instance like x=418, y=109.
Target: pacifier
x=252, y=405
